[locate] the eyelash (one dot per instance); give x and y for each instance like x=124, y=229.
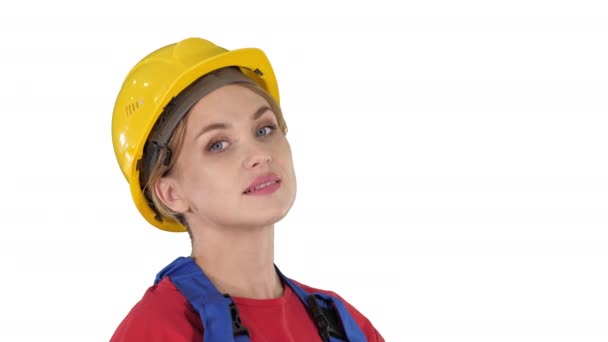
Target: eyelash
x=272, y=127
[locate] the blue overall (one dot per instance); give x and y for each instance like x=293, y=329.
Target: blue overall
x=219, y=314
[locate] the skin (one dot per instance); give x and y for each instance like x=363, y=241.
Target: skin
x=232, y=233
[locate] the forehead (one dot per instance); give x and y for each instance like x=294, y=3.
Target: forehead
x=230, y=102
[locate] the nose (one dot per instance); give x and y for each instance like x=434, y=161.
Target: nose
x=256, y=158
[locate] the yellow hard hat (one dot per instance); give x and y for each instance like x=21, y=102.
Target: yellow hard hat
x=153, y=82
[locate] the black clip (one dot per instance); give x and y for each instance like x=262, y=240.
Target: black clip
x=156, y=150
x=238, y=328
x=318, y=317
x=326, y=319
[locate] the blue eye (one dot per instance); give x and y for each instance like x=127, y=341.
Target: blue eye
x=220, y=144
x=268, y=128
x=217, y=145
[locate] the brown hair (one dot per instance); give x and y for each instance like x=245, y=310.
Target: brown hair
x=166, y=157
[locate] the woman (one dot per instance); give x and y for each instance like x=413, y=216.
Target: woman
x=200, y=137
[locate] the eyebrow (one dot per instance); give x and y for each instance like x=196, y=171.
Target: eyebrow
x=221, y=125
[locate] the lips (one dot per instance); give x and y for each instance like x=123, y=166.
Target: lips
x=262, y=182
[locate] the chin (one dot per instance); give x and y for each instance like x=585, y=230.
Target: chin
x=267, y=213
x=269, y=216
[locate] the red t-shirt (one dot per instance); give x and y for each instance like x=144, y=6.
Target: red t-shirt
x=164, y=314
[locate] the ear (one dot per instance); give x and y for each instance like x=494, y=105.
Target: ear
x=167, y=190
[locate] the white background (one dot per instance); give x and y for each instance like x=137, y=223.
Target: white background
x=451, y=159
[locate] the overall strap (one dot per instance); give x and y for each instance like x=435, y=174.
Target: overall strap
x=323, y=308
x=220, y=317
x=218, y=313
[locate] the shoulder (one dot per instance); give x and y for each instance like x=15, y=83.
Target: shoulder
x=162, y=314
x=363, y=322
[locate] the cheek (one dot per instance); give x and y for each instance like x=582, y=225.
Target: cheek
x=211, y=180
x=284, y=157
x=193, y=177
x=285, y=151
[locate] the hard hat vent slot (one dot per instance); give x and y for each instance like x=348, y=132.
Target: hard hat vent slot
x=131, y=107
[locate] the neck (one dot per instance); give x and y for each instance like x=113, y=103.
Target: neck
x=239, y=262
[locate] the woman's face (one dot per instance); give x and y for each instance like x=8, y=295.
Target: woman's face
x=232, y=137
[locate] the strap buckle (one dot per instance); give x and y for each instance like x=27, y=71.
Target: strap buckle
x=326, y=319
x=238, y=328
